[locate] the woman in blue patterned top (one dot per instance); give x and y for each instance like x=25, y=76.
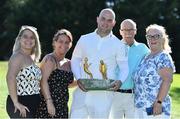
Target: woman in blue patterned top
x=154, y=75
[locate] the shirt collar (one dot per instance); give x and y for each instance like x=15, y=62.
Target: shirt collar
x=134, y=44
x=108, y=36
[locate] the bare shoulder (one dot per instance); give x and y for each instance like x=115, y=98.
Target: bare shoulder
x=16, y=62
x=16, y=58
x=48, y=61
x=48, y=58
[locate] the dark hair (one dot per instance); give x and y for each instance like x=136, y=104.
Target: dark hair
x=63, y=32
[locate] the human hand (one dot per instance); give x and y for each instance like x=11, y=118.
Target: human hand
x=81, y=86
x=157, y=108
x=115, y=85
x=22, y=109
x=50, y=107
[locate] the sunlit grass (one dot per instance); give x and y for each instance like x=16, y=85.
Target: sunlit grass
x=174, y=92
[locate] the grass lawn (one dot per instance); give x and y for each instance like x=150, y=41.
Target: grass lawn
x=175, y=95
x=174, y=92
x=3, y=90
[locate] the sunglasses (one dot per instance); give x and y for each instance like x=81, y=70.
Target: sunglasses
x=155, y=37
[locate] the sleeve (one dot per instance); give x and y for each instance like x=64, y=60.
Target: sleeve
x=145, y=49
x=78, y=49
x=124, y=70
x=75, y=67
x=122, y=52
x=165, y=60
x=76, y=60
x=122, y=61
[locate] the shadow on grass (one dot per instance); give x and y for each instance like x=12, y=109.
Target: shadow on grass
x=174, y=93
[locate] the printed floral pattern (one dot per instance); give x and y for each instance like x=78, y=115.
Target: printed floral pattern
x=148, y=81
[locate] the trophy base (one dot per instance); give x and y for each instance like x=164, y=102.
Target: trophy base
x=96, y=84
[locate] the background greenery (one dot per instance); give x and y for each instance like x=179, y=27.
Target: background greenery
x=174, y=92
x=79, y=16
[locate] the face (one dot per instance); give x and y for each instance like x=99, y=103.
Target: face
x=105, y=22
x=62, y=45
x=154, y=40
x=128, y=32
x=27, y=40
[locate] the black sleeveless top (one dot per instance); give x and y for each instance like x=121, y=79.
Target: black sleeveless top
x=58, y=85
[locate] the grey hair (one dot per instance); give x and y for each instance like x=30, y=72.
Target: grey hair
x=129, y=20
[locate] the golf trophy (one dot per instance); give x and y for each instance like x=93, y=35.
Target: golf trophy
x=92, y=83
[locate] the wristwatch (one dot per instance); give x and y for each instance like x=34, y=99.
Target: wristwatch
x=158, y=101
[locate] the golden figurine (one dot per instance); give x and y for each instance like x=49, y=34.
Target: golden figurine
x=86, y=67
x=103, y=69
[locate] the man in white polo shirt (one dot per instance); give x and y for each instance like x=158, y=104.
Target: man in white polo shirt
x=97, y=46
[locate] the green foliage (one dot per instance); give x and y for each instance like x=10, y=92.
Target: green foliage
x=79, y=16
x=175, y=95
x=49, y=16
x=144, y=13
x=3, y=90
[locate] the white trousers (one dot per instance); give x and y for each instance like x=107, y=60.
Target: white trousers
x=78, y=107
x=91, y=104
x=123, y=106
x=142, y=114
x=99, y=103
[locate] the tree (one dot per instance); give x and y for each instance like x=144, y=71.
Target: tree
x=144, y=13
x=49, y=16
x=79, y=16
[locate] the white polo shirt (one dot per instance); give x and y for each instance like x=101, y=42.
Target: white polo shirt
x=109, y=49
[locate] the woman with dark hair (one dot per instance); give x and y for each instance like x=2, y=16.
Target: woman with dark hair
x=56, y=77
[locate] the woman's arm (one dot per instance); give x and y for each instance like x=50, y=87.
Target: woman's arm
x=47, y=66
x=73, y=82
x=14, y=66
x=13, y=69
x=167, y=75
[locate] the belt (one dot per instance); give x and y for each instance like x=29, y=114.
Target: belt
x=125, y=91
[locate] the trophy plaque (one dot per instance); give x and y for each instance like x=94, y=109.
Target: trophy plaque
x=91, y=83
x=96, y=84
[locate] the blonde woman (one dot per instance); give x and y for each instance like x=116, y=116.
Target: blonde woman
x=23, y=76
x=153, y=76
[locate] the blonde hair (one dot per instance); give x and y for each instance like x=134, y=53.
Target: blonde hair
x=165, y=38
x=36, y=51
